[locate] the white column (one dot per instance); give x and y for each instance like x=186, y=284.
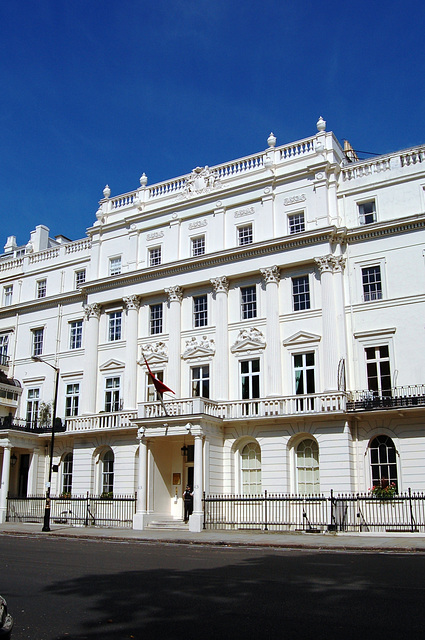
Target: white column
x=273, y=363
x=139, y=519
x=329, y=328
x=221, y=359
x=173, y=380
x=132, y=304
x=88, y=400
x=4, y=487
x=33, y=471
x=196, y=520
x=340, y=313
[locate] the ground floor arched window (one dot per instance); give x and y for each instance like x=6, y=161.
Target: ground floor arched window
x=67, y=473
x=251, y=469
x=108, y=472
x=383, y=461
x=307, y=461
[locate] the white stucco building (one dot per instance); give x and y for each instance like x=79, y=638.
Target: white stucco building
x=281, y=296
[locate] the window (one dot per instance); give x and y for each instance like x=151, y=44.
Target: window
x=251, y=469
x=367, y=212
x=67, y=473
x=108, y=473
x=4, y=346
x=296, y=223
x=155, y=319
x=151, y=392
x=198, y=246
x=72, y=399
x=112, y=394
x=383, y=461
x=249, y=302
x=41, y=288
x=245, y=235
x=33, y=400
x=115, y=266
x=304, y=379
x=378, y=370
x=307, y=461
x=114, y=330
x=201, y=381
x=372, y=283
x=80, y=278
x=301, y=293
x=250, y=385
x=7, y=295
x=75, y=334
x=200, y=311
x=37, y=342
x=154, y=256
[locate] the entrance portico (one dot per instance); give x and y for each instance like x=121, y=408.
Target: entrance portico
x=163, y=471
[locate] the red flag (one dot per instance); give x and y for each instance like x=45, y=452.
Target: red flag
x=159, y=386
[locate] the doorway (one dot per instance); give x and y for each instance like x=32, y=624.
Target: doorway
x=24, y=466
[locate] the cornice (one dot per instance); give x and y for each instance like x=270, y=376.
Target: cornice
x=381, y=229
x=40, y=304
x=328, y=234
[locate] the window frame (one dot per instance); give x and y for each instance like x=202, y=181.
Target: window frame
x=75, y=334
x=107, y=472
x=80, y=278
x=375, y=468
x=37, y=341
x=296, y=222
x=41, y=287
x=72, y=399
x=364, y=214
x=249, y=308
x=301, y=300
x=200, y=310
x=200, y=381
x=115, y=325
x=67, y=469
x=7, y=295
x=115, y=265
x=155, y=256
x=33, y=405
x=373, y=289
x=112, y=394
x=314, y=468
x=156, y=319
x=200, y=249
x=249, y=464
x=245, y=234
x=151, y=393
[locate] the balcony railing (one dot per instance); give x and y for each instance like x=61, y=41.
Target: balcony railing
x=394, y=398
x=4, y=360
x=29, y=426
x=117, y=420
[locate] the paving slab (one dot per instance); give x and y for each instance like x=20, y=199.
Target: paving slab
x=378, y=542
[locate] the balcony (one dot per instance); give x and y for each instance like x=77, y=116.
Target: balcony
x=395, y=398
x=117, y=420
x=4, y=362
x=19, y=424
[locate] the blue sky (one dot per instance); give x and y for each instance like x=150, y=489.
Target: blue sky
x=100, y=91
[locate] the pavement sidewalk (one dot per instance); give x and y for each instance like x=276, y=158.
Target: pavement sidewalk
x=389, y=542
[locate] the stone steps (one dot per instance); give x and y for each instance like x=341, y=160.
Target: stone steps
x=170, y=525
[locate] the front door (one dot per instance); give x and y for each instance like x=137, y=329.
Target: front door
x=24, y=466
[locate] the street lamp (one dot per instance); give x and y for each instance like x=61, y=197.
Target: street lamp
x=46, y=525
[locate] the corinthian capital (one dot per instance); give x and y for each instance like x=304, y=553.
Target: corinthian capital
x=271, y=274
x=132, y=302
x=220, y=284
x=92, y=310
x=174, y=294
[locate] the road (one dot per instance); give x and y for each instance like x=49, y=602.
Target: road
x=62, y=589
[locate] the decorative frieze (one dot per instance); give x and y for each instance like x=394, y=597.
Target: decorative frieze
x=175, y=294
x=271, y=274
x=198, y=224
x=220, y=284
x=155, y=235
x=201, y=180
x=154, y=350
x=247, y=211
x=294, y=199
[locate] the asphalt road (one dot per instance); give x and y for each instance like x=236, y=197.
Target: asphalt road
x=59, y=589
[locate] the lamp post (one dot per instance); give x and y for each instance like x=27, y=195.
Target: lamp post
x=46, y=524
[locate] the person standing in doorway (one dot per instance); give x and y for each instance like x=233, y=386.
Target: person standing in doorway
x=188, y=502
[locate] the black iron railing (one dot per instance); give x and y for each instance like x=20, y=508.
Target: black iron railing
x=406, y=396
x=86, y=510
x=316, y=513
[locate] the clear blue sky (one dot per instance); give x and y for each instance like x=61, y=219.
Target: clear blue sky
x=100, y=91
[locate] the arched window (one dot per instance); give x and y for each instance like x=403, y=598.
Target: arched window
x=383, y=461
x=251, y=469
x=108, y=472
x=67, y=473
x=307, y=460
